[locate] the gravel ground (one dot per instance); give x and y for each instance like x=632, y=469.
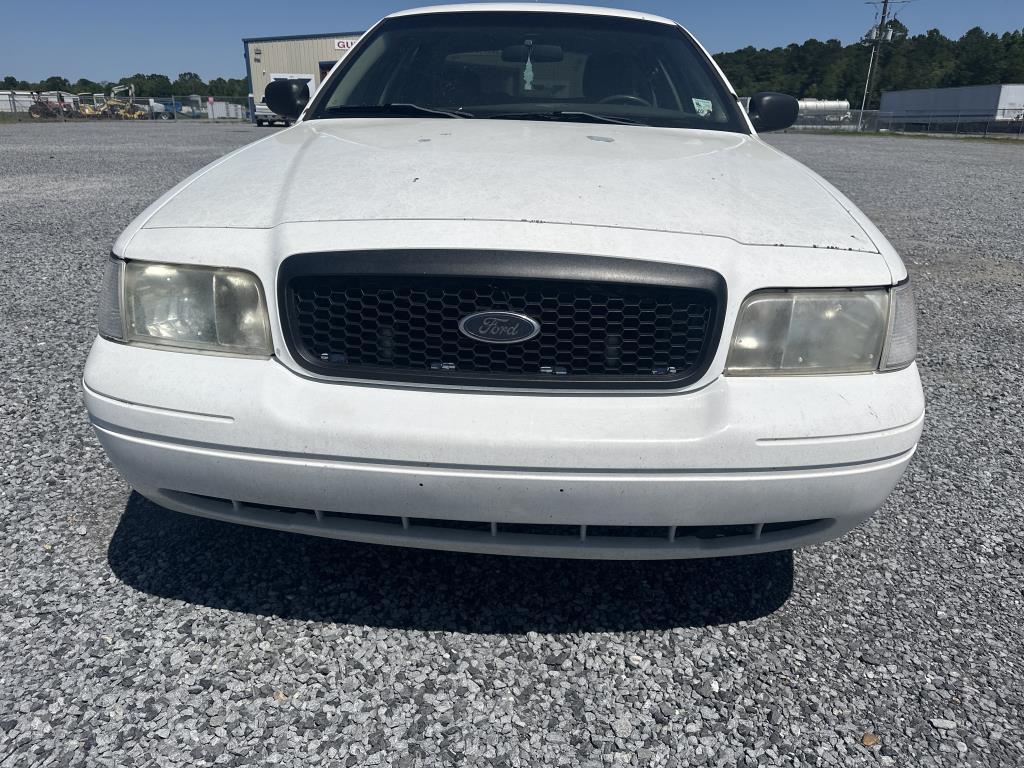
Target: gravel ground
x=130, y=635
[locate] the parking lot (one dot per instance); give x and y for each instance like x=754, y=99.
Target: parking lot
x=131, y=635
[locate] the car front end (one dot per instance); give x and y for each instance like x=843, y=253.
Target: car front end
x=634, y=342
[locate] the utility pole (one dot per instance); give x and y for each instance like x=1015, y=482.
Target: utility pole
x=874, y=38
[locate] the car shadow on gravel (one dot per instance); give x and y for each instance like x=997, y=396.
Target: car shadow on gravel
x=237, y=568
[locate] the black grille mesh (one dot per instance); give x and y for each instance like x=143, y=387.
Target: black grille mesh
x=372, y=325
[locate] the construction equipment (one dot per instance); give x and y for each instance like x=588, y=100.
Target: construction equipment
x=91, y=104
x=121, y=105
x=44, y=107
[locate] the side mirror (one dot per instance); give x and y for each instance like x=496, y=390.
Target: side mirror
x=287, y=98
x=772, y=111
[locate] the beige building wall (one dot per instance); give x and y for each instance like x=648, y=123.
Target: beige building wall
x=293, y=56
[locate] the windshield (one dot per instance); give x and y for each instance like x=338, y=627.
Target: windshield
x=530, y=66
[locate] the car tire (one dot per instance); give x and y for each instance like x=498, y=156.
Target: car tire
x=259, y=123
x=165, y=115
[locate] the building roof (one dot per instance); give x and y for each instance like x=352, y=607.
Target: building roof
x=534, y=8
x=316, y=36
x=959, y=88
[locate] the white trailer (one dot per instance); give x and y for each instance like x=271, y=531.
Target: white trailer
x=954, y=105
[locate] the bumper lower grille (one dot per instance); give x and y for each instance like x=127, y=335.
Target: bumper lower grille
x=539, y=539
x=391, y=324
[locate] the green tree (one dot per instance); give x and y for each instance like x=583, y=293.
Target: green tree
x=189, y=83
x=228, y=88
x=830, y=70
x=979, y=58
x=83, y=85
x=1013, y=60
x=149, y=85
x=54, y=83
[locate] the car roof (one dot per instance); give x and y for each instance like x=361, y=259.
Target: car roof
x=534, y=8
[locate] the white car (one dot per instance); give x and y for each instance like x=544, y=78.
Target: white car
x=521, y=279
x=264, y=115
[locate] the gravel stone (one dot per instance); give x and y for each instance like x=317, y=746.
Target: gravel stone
x=131, y=635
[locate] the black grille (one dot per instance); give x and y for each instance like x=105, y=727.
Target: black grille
x=402, y=326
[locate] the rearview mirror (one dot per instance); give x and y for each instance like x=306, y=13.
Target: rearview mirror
x=538, y=54
x=287, y=98
x=772, y=111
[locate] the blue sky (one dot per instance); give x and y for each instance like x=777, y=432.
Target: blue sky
x=107, y=39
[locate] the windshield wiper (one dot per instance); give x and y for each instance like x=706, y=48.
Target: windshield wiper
x=566, y=116
x=398, y=108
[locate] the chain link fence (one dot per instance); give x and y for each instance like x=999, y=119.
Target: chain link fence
x=1006, y=123
x=56, y=105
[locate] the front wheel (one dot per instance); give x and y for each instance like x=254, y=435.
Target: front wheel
x=259, y=123
x=36, y=111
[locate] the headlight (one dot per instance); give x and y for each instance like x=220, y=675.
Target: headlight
x=199, y=308
x=809, y=332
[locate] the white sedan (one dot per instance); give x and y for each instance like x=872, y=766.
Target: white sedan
x=521, y=279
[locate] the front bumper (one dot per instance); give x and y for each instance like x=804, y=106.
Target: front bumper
x=251, y=441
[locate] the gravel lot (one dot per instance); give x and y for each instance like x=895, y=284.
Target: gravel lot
x=130, y=635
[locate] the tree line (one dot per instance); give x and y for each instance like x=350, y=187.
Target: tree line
x=814, y=69
x=186, y=84
x=830, y=70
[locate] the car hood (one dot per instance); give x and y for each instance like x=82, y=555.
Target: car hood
x=600, y=175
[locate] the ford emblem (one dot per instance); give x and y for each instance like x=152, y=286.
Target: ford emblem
x=499, y=327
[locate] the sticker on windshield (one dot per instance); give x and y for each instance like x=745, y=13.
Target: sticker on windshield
x=704, y=107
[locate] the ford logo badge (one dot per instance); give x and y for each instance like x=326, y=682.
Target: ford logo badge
x=499, y=327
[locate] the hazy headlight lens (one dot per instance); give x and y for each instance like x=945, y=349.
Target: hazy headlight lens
x=195, y=307
x=809, y=332
x=901, y=345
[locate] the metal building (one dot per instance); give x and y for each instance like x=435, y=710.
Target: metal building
x=298, y=56
x=954, y=105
